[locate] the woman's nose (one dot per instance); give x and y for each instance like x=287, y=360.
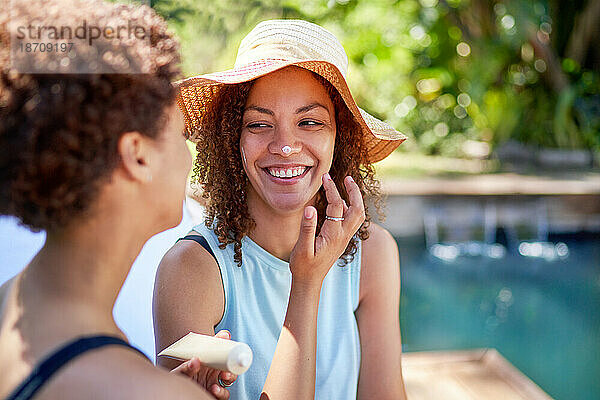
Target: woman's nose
x=285, y=142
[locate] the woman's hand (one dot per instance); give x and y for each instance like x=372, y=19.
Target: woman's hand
x=312, y=257
x=208, y=377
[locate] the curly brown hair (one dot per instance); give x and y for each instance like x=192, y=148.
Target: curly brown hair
x=218, y=167
x=59, y=132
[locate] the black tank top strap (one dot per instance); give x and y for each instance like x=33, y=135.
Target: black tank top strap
x=51, y=364
x=202, y=242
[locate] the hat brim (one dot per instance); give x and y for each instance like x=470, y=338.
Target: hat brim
x=195, y=93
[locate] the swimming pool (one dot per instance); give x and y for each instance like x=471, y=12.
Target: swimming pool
x=542, y=316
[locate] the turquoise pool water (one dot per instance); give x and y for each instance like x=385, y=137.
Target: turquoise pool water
x=544, y=317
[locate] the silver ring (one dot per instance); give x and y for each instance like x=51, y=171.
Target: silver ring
x=334, y=218
x=223, y=384
x=286, y=149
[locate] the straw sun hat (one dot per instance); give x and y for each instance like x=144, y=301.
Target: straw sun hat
x=276, y=44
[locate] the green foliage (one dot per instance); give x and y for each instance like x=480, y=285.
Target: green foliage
x=449, y=74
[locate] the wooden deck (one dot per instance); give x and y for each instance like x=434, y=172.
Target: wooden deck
x=466, y=375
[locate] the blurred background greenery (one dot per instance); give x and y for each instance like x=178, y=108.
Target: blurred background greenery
x=478, y=80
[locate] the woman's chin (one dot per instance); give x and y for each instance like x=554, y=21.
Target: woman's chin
x=289, y=203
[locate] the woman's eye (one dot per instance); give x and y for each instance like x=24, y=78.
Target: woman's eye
x=310, y=123
x=257, y=125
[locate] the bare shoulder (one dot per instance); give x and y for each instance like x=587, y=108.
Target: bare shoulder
x=187, y=267
x=185, y=256
x=380, y=244
x=159, y=383
x=118, y=373
x=380, y=262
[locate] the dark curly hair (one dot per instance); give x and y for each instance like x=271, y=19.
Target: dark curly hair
x=59, y=132
x=218, y=167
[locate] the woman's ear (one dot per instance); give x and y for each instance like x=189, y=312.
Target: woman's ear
x=135, y=150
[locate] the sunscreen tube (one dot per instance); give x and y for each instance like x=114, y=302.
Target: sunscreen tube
x=223, y=354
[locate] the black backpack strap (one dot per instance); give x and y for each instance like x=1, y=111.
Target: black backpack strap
x=202, y=242
x=55, y=361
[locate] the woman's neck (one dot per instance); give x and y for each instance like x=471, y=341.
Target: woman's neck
x=76, y=277
x=275, y=232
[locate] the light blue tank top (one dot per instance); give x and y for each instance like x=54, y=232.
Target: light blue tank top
x=256, y=298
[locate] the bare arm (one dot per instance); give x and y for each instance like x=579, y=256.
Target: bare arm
x=188, y=297
x=378, y=319
x=293, y=369
x=292, y=372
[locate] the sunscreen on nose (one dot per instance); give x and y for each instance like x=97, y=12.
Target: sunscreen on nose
x=222, y=354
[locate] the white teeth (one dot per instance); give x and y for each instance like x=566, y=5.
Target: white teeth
x=287, y=173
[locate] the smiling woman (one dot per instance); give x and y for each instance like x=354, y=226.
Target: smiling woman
x=221, y=171
x=287, y=141
x=284, y=159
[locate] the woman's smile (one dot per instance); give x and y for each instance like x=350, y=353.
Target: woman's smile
x=287, y=174
x=287, y=141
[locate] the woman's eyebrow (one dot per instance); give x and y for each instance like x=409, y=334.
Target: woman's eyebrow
x=260, y=110
x=299, y=110
x=309, y=107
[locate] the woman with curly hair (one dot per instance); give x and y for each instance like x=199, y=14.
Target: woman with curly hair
x=287, y=259
x=99, y=162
